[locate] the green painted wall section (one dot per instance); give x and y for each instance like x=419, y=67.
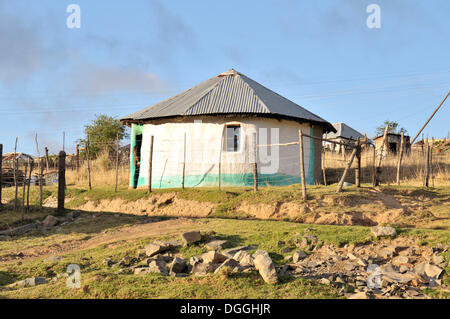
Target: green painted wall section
x=135, y=130
x=226, y=180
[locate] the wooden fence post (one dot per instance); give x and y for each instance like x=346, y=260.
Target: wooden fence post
x=427, y=166
x=400, y=157
x=31, y=164
x=378, y=167
x=358, y=164
x=374, y=169
x=61, y=180
x=117, y=162
x=1, y=174
x=220, y=158
x=24, y=188
x=88, y=162
x=344, y=175
x=324, y=168
x=47, y=164
x=77, y=157
x=255, y=166
x=15, y=164
x=40, y=169
x=150, y=164
x=302, y=164
x=431, y=162
x=184, y=162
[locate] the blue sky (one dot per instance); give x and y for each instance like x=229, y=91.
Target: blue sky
x=130, y=54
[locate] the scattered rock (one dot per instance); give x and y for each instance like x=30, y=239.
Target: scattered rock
x=437, y=260
x=280, y=243
x=216, y=244
x=383, y=231
x=230, y=263
x=141, y=270
x=349, y=266
x=213, y=257
x=265, y=266
x=178, y=265
x=232, y=251
x=108, y=262
x=29, y=282
x=429, y=270
x=298, y=255
x=400, y=260
x=324, y=281
x=53, y=259
x=153, y=249
x=202, y=269
x=158, y=266
x=191, y=237
x=244, y=258
x=49, y=221
x=286, y=250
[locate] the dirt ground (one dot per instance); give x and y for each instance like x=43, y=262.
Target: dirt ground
x=373, y=207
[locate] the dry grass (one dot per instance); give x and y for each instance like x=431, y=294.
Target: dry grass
x=412, y=173
x=103, y=173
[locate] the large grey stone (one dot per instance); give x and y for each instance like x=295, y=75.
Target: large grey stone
x=213, y=257
x=49, y=221
x=431, y=271
x=178, y=265
x=230, y=263
x=244, y=258
x=191, y=237
x=265, y=266
x=158, y=266
x=298, y=255
x=202, y=269
x=216, y=244
x=232, y=251
x=383, y=231
x=153, y=249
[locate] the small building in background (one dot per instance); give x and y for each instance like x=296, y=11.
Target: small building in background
x=344, y=134
x=393, y=142
x=22, y=159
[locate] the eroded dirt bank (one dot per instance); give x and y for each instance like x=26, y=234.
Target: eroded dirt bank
x=373, y=207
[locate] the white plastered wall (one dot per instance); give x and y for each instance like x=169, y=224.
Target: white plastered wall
x=205, y=147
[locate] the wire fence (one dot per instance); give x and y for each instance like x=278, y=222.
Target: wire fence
x=185, y=161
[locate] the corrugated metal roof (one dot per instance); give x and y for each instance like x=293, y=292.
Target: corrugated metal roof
x=228, y=93
x=345, y=131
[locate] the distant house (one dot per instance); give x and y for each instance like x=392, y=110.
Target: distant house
x=392, y=143
x=22, y=159
x=344, y=134
x=215, y=122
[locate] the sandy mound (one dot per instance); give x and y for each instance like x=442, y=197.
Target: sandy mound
x=166, y=204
